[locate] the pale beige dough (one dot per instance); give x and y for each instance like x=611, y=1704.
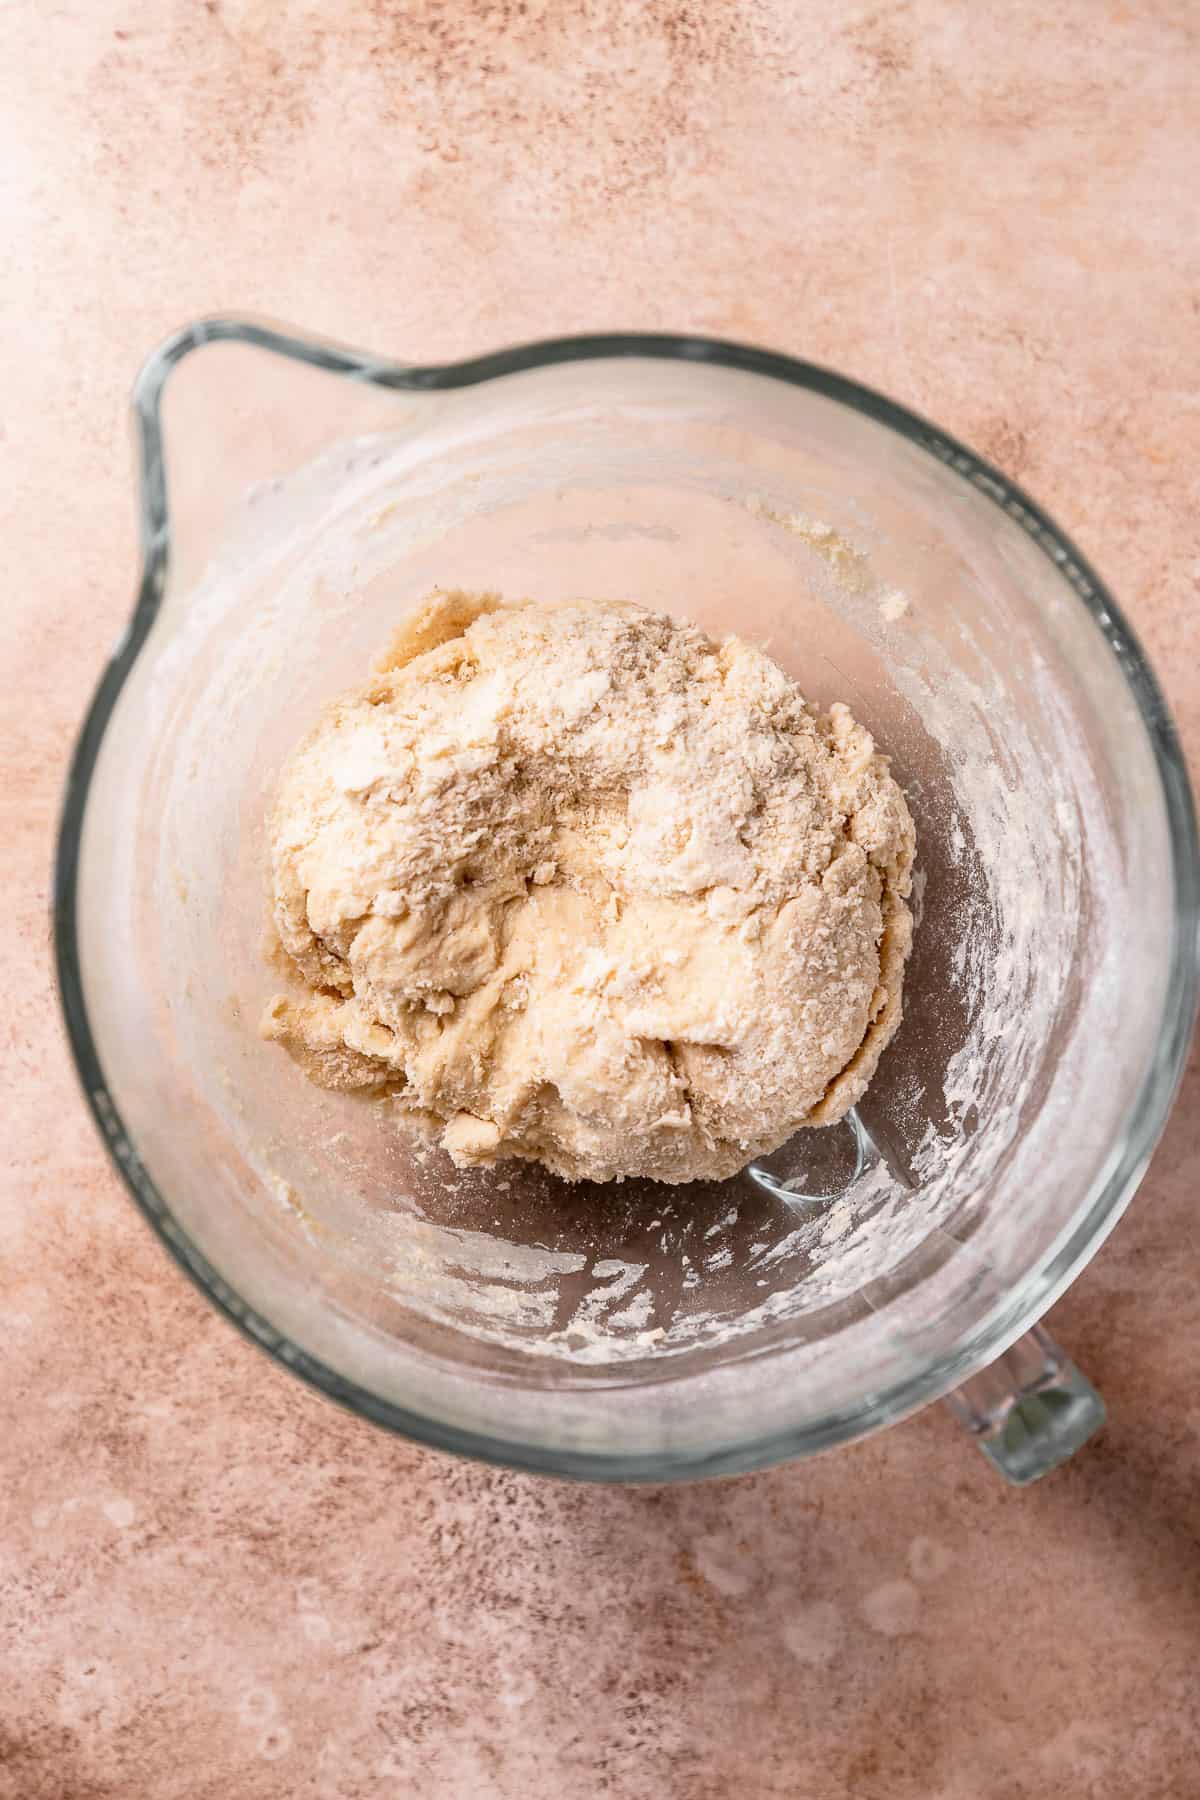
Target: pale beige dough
x=575, y=882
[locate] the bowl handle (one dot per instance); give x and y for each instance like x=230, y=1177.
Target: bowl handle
x=1029, y=1410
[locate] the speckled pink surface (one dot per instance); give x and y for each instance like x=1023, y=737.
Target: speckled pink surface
x=213, y=1583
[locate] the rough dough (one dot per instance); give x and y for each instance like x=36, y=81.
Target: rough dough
x=576, y=882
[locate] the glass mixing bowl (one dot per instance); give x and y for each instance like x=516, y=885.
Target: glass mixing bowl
x=635, y=1332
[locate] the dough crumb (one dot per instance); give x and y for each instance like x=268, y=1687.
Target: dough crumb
x=893, y=606
x=577, y=883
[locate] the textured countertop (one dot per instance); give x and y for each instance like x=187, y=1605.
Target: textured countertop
x=211, y=1582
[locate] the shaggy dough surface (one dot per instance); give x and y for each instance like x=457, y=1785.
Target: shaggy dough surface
x=578, y=883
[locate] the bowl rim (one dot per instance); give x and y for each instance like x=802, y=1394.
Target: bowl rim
x=988, y=1338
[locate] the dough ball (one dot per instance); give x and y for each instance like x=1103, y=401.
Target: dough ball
x=578, y=883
